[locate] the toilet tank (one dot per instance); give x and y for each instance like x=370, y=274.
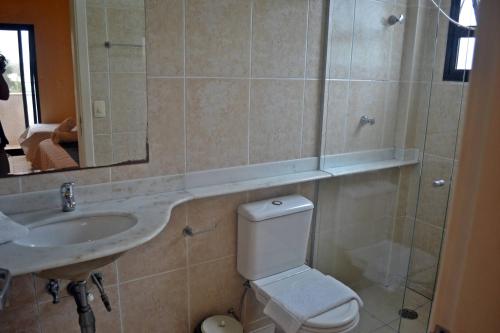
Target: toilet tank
x=273, y=235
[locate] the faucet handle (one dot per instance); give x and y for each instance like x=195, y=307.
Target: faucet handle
x=7, y=281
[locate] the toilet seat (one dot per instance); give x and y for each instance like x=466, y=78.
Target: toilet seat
x=338, y=320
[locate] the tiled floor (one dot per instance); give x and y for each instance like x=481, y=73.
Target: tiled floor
x=380, y=311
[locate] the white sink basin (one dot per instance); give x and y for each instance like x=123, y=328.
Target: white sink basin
x=77, y=230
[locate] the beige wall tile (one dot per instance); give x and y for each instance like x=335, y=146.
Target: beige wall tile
x=340, y=43
x=428, y=238
x=397, y=44
x=433, y=201
x=316, y=34
x=418, y=106
x=63, y=318
x=219, y=213
x=214, y=287
x=165, y=252
x=308, y=190
x=9, y=185
x=126, y=26
x=128, y=102
x=443, y=122
x=337, y=111
x=166, y=126
x=165, y=37
x=52, y=181
x=217, y=123
x=442, y=38
x=103, y=150
x=129, y=146
x=96, y=36
x=275, y=120
x=22, y=319
x=365, y=98
x=372, y=39
x=156, y=304
x=391, y=115
x=132, y=171
x=279, y=38
x=125, y=3
x=311, y=122
x=22, y=292
x=272, y=192
x=218, y=37
x=403, y=231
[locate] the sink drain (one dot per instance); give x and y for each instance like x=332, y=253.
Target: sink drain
x=408, y=314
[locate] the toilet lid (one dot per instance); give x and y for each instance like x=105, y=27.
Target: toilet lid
x=340, y=316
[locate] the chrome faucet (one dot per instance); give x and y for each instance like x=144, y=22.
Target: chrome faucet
x=68, y=197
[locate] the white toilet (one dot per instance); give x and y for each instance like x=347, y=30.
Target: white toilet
x=272, y=247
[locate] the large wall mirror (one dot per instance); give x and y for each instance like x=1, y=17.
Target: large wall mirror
x=75, y=71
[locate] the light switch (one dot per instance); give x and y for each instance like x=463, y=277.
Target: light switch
x=99, y=109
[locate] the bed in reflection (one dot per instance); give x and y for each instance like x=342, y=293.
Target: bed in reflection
x=51, y=146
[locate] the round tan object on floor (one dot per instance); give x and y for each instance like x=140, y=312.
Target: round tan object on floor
x=221, y=324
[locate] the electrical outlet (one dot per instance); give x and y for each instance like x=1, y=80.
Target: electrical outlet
x=99, y=109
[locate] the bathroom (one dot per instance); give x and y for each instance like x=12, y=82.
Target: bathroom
x=184, y=111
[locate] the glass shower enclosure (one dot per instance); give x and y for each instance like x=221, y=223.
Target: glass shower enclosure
x=394, y=93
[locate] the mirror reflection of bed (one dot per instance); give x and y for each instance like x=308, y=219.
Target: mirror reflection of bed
x=47, y=147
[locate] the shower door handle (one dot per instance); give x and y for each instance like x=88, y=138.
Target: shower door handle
x=438, y=182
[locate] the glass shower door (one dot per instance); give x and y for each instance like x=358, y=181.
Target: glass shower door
x=380, y=232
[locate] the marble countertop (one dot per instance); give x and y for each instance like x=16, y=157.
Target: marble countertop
x=152, y=213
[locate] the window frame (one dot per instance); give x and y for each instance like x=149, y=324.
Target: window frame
x=455, y=32
x=37, y=117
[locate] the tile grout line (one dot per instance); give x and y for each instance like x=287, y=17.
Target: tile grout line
x=120, y=312
x=188, y=271
x=349, y=81
x=250, y=83
x=304, y=85
x=37, y=304
x=184, y=107
x=108, y=76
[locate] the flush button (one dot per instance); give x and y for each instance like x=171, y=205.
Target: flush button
x=277, y=202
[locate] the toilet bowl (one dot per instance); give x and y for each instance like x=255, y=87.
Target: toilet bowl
x=272, y=247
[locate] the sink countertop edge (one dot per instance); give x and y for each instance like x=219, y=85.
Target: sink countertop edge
x=152, y=213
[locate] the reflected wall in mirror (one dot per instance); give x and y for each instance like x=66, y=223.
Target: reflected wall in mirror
x=74, y=84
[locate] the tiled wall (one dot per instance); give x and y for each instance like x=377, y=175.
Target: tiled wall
x=363, y=75
x=118, y=77
x=229, y=83
x=167, y=285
